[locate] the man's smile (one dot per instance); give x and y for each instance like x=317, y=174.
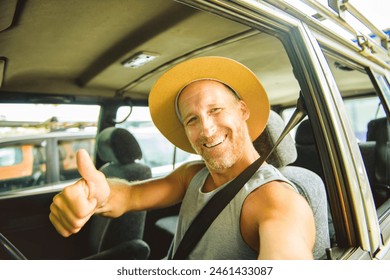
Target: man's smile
x=215, y=142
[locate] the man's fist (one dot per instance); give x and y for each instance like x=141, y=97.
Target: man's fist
x=73, y=207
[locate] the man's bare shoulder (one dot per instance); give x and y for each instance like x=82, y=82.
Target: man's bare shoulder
x=187, y=171
x=273, y=210
x=273, y=198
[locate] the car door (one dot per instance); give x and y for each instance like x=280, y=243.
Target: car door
x=35, y=165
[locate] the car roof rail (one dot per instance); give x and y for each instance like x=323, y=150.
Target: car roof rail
x=369, y=39
x=340, y=7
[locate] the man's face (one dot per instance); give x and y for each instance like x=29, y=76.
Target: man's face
x=215, y=122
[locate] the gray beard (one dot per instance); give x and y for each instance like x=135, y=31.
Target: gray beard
x=221, y=163
x=227, y=159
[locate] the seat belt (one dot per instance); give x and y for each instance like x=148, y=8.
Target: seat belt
x=221, y=199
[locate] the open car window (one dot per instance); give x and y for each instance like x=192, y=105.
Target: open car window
x=38, y=143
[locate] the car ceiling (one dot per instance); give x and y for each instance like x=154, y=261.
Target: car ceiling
x=70, y=47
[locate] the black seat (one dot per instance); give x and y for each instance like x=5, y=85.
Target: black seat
x=378, y=131
x=307, y=153
x=308, y=183
x=119, y=238
x=120, y=150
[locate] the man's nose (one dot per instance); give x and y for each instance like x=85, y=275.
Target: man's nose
x=208, y=127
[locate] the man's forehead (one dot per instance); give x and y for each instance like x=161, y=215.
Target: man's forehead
x=208, y=85
x=204, y=85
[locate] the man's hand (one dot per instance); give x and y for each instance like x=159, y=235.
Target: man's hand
x=73, y=207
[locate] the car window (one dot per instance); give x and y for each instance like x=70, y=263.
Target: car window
x=361, y=111
x=38, y=142
x=21, y=166
x=10, y=156
x=67, y=150
x=158, y=152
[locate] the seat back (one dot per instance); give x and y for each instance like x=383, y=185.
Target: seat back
x=378, y=131
x=307, y=153
x=120, y=150
x=308, y=183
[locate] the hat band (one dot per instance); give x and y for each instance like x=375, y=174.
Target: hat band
x=202, y=79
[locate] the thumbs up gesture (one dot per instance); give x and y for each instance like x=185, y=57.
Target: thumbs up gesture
x=73, y=207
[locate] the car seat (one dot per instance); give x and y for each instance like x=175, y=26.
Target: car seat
x=378, y=131
x=308, y=183
x=307, y=153
x=119, y=238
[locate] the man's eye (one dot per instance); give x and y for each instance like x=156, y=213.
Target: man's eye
x=215, y=110
x=190, y=121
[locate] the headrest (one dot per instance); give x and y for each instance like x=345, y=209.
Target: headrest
x=286, y=152
x=304, y=133
x=378, y=129
x=117, y=145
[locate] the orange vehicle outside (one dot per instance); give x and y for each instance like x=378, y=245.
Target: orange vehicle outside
x=22, y=168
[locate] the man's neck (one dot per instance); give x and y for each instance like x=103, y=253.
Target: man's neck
x=219, y=177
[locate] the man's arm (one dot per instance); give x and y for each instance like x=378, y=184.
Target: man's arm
x=74, y=206
x=285, y=223
x=148, y=194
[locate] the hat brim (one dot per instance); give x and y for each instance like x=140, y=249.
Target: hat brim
x=162, y=97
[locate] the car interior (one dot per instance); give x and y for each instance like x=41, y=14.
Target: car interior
x=110, y=53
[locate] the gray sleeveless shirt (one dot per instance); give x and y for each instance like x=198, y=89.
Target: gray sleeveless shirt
x=223, y=240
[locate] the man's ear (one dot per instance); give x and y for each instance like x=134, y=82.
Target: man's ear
x=245, y=110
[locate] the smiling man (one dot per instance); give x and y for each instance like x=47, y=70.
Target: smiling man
x=214, y=107
x=212, y=119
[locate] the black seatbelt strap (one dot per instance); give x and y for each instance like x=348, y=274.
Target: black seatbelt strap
x=221, y=199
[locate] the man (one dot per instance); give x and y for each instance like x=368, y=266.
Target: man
x=215, y=107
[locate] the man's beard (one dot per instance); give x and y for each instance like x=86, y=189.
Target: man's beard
x=221, y=159
x=220, y=163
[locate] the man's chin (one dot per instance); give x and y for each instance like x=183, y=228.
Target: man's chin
x=218, y=164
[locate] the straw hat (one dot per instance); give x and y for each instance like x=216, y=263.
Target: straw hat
x=162, y=98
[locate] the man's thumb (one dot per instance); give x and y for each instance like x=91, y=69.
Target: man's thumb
x=96, y=181
x=85, y=165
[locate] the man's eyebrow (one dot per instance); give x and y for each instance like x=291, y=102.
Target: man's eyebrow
x=183, y=118
x=209, y=106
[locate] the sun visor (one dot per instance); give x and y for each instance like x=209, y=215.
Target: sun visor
x=7, y=12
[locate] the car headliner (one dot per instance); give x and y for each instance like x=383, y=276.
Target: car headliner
x=78, y=47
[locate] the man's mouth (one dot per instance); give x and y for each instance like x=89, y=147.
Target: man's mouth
x=215, y=142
